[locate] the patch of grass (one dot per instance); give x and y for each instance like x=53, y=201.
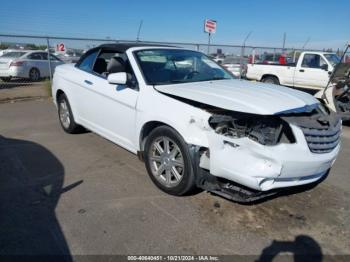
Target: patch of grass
x=47, y=84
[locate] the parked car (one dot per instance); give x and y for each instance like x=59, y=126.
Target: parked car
x=197, y=125
x=312, y=71
x=233, y=64
x=31, y=65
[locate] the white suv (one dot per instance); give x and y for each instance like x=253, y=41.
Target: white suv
x=194, y=124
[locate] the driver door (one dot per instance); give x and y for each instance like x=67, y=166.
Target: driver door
x=107, y=109
x=310, y=74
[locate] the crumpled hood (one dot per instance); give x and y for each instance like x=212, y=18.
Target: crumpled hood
x=243, y=96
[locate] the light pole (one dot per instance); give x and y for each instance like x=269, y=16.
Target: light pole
x=284, y=41
x=307, y=41
x=139, y=31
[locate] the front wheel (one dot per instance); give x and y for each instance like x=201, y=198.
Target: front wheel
x=168, y=161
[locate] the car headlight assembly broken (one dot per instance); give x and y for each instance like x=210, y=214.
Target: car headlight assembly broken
x=265, y=130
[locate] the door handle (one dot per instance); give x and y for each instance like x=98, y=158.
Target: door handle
x=302, y=70
x=88, y=82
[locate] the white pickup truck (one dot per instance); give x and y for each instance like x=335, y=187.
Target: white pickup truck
x=312, y=71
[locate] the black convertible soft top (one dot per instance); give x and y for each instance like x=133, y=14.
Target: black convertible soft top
x=118, y=47
x=122, y=47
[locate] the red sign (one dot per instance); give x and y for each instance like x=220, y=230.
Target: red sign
x=60, y=47
x=209, y=26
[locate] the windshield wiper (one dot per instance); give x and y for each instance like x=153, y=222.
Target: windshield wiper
x=177, y=81
x=218, y=78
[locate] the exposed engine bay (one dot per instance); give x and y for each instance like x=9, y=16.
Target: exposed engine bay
x=320, y=126
x=234, y=167
x=266, y=130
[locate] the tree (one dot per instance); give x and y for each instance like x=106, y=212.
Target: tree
x=4, y=46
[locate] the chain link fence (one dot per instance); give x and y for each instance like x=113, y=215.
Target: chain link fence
x=29, y=61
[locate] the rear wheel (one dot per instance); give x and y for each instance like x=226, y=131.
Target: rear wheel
x=5, y=79
x=168, y=161
x=271, y=80
x=66, y=116
x=34, y=74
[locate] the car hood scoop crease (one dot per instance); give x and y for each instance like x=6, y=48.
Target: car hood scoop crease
x=243, y=96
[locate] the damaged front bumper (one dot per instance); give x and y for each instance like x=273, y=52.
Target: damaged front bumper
x=264, y=168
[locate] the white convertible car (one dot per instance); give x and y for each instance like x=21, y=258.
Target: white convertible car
x=194, y=125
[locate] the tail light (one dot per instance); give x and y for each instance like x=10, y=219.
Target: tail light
x=17, y=63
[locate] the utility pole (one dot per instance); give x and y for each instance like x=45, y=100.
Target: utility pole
x=139, y=31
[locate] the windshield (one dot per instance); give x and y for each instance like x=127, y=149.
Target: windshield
x=332, y=58
x=13, y=54
x=168, y=66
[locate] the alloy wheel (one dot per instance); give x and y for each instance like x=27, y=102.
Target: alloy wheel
x=166, y=161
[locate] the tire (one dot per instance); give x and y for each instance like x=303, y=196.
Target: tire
x=34, y=74
x=271, y=80
x=160, y=166
x=6, y=79
x=66, y=117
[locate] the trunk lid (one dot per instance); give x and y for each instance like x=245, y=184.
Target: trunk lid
x=5, y=62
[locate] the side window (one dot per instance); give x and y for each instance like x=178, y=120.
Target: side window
x=111, y=62
x=322, y=62
x=44, y=56
x=313, y=61
x=54, y=58
x=102, y=61
x=88, y=62
x=35, y=56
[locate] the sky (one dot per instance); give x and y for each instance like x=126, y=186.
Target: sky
x=325, y=23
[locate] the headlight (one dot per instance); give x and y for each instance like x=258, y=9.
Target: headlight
x=266, y=130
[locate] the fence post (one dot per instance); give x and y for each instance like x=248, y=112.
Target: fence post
x=209, y=35
x=241, y=62
x=48, y=56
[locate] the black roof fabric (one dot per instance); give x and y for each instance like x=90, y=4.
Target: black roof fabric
x=117, y=47
x=122, y=47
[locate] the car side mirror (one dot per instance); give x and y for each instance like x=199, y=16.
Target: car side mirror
x=117, y=78
x=324, y=67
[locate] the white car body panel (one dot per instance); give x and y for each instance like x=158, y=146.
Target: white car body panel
x=119, y=114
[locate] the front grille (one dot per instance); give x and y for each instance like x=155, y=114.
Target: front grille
x=323, y=139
